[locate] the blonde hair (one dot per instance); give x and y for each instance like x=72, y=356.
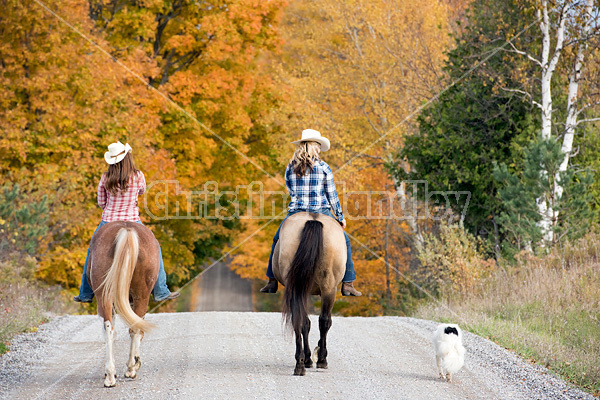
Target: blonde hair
x=305, y=157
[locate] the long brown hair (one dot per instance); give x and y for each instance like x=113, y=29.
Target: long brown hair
x=118, y=175
x=305, y=157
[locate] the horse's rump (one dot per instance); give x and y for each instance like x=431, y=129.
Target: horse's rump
x=333, y=260
x=124, y=263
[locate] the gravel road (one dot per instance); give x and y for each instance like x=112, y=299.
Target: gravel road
x=232, y=355
x=221, y=289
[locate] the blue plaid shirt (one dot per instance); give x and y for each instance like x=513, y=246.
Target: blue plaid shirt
x=313, y=191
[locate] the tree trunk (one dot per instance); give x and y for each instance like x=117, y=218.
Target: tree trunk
x=407, y=202
x=575, y=76
x=548, y=66
x=388, y=291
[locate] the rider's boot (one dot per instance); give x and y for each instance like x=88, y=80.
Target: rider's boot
x=79, y=300
x=271, y=286
x=348, y=289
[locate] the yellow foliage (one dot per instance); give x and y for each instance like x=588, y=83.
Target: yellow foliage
x=451, y=260
x=355, y=70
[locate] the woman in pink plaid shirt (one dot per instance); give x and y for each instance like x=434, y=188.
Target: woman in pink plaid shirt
x=118, y=193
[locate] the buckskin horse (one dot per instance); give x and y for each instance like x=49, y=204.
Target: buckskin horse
x=310, y=257
x=124, y=262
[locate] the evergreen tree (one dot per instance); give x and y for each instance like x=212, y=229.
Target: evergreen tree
x=518, y=195
x=23, y=222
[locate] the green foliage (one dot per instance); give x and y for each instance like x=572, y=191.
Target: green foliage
x=475, y=122
x=23, y=221
x=576, y=205
x=588, y=140
x=519, y=194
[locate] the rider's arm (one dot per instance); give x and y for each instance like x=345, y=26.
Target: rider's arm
x=331, y=193
x=142, y=183
x=102, y=192
x=288, y=179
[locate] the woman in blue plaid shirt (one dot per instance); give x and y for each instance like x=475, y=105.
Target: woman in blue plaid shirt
x=309, y=181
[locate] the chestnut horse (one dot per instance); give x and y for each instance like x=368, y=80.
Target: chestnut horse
x=124, y=263
x=310, y=257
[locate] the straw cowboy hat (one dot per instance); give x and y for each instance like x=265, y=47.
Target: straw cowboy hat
x=310, y=135
x=116, y=152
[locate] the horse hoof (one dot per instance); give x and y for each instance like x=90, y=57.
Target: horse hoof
x=308, y=363
x=322, y=364
x=299, y=371
x=130, y=374
x=110, y=382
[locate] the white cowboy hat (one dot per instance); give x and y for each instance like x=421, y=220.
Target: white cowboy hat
x=310, y=135
x=116, y=152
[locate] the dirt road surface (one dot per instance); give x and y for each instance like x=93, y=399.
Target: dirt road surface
x=232, y=355
x=221, y=289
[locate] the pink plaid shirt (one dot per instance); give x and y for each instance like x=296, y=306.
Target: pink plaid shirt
x=123, y=206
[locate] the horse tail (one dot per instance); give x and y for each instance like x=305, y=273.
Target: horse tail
x=116, y=285
x=301, y=275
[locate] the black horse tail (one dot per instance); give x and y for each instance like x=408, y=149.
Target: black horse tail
x=300, y=277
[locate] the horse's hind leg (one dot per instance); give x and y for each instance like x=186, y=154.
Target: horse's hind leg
x=134, y=363
x=308, y=363
x=300, y=369
x=110, y=334
x=324, y=325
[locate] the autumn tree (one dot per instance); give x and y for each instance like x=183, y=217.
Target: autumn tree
x=355, y=71
x=182, y=84
x=207, y=59
x=62, y=101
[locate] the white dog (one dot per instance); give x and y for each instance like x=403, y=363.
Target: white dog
x=449, y=350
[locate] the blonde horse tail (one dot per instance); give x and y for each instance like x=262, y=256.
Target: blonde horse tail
x=115, y=288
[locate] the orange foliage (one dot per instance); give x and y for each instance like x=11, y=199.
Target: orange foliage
x=63, y=101
x=355, y=70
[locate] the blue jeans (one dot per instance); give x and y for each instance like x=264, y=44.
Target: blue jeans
x=349, y=276
x=160, y=291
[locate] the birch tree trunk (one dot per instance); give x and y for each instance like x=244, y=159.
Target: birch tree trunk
x=575, y=76
x=548, y=66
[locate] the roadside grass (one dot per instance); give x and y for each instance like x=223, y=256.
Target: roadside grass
x=24, y=303
x=547, y=309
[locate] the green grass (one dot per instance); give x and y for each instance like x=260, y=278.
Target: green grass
x=546, y=309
